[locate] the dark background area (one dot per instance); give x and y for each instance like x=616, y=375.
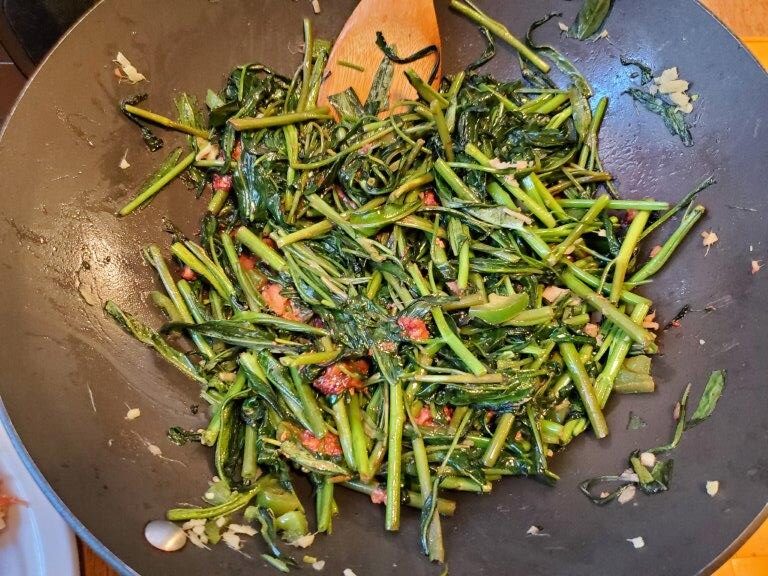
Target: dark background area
x=11, y=82
x=28, y=29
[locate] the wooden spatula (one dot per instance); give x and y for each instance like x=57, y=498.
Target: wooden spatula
x=408, y=25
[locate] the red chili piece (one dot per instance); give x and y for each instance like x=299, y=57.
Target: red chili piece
x=413, y=328
x=342, y=376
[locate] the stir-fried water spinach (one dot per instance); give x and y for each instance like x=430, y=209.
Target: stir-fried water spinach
x=400, y=305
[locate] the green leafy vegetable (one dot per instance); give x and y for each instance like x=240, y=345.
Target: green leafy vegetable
x=590, y=18
x=657, y=478
x=673, y=118
x=402, y=305
x=646, y=74
x=708, y=401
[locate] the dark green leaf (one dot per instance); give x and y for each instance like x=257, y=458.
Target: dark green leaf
x=708, y=401
x=378, y=98
x=497, y=216
x=590, y=18
x=582, y=113
x=152, y=142
x=188, y=112
x=305, y=459
x=259, y=185
x=370, y=222
x=593, y=488
x=260, y=318
x=679, y=427
x=348, y=105
x=391, y=54
x=232, y=332
x=561, y=62
x=655, y=480
x=506, y=397
x=674, y=120
x=646, y=75
x=268, y=532
x=146, y=335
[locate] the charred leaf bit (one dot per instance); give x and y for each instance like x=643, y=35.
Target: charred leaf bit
x=152, y=142
x=645, y=72
x=180, y=437
x=635, y=422
x=391, y=54
x=488, y=53
x=677, y=317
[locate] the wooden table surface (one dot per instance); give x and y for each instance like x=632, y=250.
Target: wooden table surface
x=749, y=20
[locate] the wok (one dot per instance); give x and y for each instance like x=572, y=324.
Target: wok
x=69, y=372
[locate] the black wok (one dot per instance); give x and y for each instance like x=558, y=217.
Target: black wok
x=63, y=253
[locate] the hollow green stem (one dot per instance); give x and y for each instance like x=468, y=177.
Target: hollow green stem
x=344, y=431
x=458, y=186
x=510, y=184
x=243, y=279
x=307, y=233
x=668, y=249
x=280, y=119
x=198, y=315
x=139, y=200
x=206, y=269
x=154, y=257
x=532, y=183
x=594, y=282
x=618, y=352
x=581, y=228
x=324, y=505
x=310, y=358
x=626, y=251
x=306, y=66
x=312, y=412
x=550, y=105
x=410, y=498
x=584, y=203
x=499, y=439
x=218, y=200
x=261, y=249
x=424, y=90
x=464, y=484
x=635, y=332
x=359, y=440
x=394, y=455
x=583, y=384
x=590, y=144
x=532, y=317
x=502, y=32
x=166, y=305
x=682, y=203
x=250, y=470
x=459, y=378
x=166, y=122
x=235, y=503
x=449, y=336
x=434, y=535
x=442, y=130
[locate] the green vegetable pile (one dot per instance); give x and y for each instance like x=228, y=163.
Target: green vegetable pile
x=400, y=305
